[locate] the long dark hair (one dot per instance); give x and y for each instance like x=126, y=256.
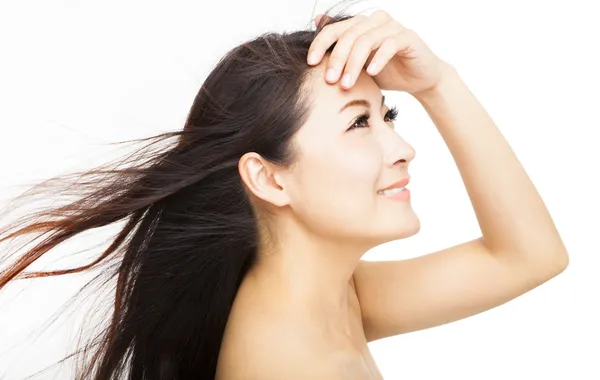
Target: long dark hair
x=191, y=232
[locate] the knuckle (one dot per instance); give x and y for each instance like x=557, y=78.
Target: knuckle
x=396, y=26
x=381, y=14
x=388, y=45
x=335, y=61
x=392, y=43
x=342, y=46
x=364, y=41
x=352, y=63
x=349, y=34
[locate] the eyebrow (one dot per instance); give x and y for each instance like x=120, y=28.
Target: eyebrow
x=360, y=102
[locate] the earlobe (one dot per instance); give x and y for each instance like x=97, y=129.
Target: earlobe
x=262, y=179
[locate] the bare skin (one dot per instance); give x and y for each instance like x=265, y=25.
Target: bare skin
x=310, y=307
x=298, y=310
x=297, y=313
x=269, y=338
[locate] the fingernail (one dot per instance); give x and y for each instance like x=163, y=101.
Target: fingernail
x=331, y=75
x=372, y=67
x=346, y=80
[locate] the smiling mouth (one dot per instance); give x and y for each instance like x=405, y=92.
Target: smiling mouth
x=397, y=194
x=391, y=191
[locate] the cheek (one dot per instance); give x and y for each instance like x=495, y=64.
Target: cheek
x=336, y=189
x=345, y=176
x=341, y=196
x=357, y=168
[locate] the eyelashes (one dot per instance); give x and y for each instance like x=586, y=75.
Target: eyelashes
x=392, y=114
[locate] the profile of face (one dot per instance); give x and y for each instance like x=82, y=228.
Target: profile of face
x=332, y=189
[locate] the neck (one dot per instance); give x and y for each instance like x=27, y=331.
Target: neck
x=312, y=273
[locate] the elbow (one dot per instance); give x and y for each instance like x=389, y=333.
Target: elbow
x=554, y=260
x=550, y=266
x=548, y=269
x=563, y=261
x=557, y=264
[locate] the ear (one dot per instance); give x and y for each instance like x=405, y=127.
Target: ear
x=263, y=179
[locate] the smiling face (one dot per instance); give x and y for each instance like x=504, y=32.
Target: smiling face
x=333, y=187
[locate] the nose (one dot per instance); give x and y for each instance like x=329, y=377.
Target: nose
x=398, y=150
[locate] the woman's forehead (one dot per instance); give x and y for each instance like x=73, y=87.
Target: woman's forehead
x=333, y=100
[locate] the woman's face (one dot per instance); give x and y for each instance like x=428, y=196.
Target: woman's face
x=333, y=187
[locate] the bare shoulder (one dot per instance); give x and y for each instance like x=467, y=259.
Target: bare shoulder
x=267, y=338
x=276, y=349
x=271, y=340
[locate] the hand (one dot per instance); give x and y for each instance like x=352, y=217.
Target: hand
x=400, y=60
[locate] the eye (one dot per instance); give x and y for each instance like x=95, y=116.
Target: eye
x=392, y=114
x=361, y=120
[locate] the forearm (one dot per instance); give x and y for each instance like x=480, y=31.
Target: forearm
x=510, y=212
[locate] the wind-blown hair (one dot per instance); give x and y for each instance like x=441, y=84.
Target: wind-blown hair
x=190, y=231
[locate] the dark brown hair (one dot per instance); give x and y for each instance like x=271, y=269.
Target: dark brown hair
x=190, y=233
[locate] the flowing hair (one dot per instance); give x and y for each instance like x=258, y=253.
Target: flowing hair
x=190, y=231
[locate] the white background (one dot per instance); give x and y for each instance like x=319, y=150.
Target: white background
x=78, y=74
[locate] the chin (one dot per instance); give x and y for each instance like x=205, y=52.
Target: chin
x=393, y=233
x=409, y=227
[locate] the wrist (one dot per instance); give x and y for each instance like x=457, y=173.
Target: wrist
x=448, y=75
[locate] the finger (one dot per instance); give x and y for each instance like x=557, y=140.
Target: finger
x=317, y=19
x=388, y=49
x=321, y=17
x=343, y=47
x=327, y=36
x=364, y=46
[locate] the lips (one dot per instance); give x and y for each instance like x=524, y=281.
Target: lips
x=401, y=183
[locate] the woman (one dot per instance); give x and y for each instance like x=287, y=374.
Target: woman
x=240, y=258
